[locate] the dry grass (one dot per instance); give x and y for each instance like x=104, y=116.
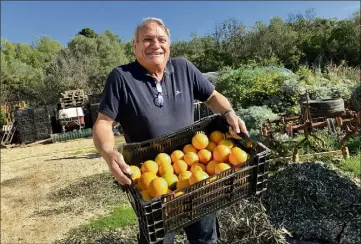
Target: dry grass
x=32, y=177
x=247, y=222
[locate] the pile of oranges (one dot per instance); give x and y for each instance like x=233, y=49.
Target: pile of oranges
x=202, y=158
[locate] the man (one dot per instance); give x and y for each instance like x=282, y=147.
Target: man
x=154, y=96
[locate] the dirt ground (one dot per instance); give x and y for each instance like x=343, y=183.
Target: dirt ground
x=29, y=175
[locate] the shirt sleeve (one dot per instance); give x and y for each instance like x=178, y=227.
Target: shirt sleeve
x=109, y=103
x=202, y=87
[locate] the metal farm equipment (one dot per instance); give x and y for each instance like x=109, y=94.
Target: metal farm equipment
x=316, y=114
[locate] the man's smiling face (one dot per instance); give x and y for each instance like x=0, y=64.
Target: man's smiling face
x=152, y=48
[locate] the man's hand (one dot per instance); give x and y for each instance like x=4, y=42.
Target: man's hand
x=117, y=166
x=236, y=124
x=103, y=138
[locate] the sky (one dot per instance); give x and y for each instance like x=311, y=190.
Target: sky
x=25, y=21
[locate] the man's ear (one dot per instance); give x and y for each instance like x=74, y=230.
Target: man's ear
x=134, y=45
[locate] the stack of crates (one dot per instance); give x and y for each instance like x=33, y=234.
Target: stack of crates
x=35, y=124
x=25, y=125
x=42, y=121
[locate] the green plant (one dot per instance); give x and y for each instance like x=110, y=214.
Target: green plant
x=352, y=165
x=249, y=86
x=354, y=145
x=121, y=216
x=255, y=116
x=356, y=98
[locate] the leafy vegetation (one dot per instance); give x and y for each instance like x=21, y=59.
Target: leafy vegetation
x=121, y=216
x=38, y=73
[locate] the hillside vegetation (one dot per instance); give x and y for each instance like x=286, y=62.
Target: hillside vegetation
x=303, y=43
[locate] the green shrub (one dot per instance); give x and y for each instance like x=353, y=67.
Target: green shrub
x=356, y=98
x=287, y=99
x=354, y=145
x=352, y=165
x=254, y=117
x=247, y=87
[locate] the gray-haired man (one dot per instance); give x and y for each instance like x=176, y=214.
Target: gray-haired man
x=153, y=96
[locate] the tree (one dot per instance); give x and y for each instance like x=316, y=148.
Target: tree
x=87, y=32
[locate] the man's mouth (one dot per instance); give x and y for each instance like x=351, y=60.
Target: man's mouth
x=154, y=54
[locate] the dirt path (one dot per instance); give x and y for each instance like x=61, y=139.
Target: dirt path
x=29, y=175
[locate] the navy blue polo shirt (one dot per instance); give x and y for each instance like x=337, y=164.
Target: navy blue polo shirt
x=129, y=98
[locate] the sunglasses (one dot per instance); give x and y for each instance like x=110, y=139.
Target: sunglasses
x=159, y=99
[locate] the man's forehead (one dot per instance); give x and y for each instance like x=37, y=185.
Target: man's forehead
x=152, y=29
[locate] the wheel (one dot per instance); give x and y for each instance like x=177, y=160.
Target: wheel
x=325, y=108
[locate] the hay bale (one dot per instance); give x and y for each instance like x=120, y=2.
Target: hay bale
x=315, y=203
x=247, y=222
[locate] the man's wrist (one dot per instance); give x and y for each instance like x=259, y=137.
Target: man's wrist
x=225, y=113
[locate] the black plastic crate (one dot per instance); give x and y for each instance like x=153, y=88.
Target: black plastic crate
x=165, y=214
x=94, y=98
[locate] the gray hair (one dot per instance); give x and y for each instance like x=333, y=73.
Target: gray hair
x=147, y=20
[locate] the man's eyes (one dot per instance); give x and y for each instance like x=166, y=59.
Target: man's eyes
x=161, y=40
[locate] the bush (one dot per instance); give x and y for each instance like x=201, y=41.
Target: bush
x=254, y=117
x=249, y=86
x=356, y=98
x=287, y=99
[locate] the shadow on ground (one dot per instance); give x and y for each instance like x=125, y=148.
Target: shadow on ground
x=89, y=156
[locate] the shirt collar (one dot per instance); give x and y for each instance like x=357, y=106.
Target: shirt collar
x=168, y=68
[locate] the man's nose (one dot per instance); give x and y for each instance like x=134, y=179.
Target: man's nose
x=155, y=42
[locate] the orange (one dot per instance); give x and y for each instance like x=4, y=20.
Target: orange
x=183, y=179
x=221, y=153
x=211, y=146
x=184, y=175
x=171, y=179
x=157, y=187
x=163, y=158
x=216, y=136
x=164, y=168
x=140, y=185
x=210, y=167
x=191, y=158
x=176, y=155
x=145, y=179
x=200, y=141
x=197, y=176
x=227, y=142
x=204, y=156
x=221, y=167
x=135, y=173
x=180, y=166
x=189, y=148
x=146, y=195
x=149, y=166
x=197, y=166
x=178, y=194
x=237, y=156
x=211, y=179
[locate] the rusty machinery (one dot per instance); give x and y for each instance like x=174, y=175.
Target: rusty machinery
x=310, y=120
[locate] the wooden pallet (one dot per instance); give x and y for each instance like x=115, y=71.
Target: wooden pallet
x=8, y=135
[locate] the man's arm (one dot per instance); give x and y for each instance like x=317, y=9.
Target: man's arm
x=103, y=138
x=220, y=104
